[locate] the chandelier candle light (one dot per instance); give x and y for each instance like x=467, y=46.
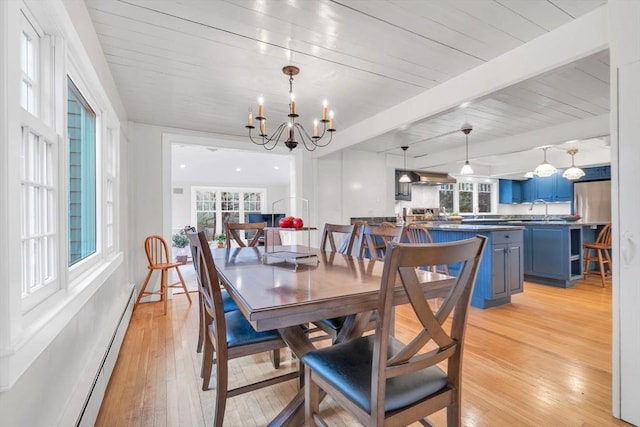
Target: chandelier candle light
x=292, y=127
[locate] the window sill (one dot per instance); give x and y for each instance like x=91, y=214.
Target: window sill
x=44, y=323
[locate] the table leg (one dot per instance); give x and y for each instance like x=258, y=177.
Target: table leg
x=293, y=414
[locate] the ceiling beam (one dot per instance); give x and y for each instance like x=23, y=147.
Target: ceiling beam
x=579, y=38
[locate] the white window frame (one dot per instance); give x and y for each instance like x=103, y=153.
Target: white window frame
x=218, y=210
x=475, y=182
x=34, y=320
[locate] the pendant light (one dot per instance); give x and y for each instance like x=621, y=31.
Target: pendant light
x=573, y=172
x=405, y=177
x=544, y=169
x=466, y=169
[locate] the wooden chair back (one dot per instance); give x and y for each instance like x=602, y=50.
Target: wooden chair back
x=396, y=365
x=232, y=230
x=157, y=250
x=376, y=237
x=328, y=235
x=401, y=263
x=418, y=233
x=604, y=237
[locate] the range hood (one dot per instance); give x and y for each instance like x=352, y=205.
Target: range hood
x=433, y=178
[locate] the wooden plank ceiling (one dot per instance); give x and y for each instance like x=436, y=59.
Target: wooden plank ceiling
x=201, y=64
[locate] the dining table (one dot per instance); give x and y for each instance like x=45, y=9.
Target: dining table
x=276, y=292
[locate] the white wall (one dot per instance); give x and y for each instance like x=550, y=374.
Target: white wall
x=559, y=208
x=355, y=183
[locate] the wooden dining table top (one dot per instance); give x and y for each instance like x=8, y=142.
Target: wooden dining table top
x=273, y=294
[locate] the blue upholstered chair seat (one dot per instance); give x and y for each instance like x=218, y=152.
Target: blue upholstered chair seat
x=228, y=304
x=240, y=331
x=347, y=367
x=335, y=323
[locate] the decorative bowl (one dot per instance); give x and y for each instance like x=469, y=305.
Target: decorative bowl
x=571, y=218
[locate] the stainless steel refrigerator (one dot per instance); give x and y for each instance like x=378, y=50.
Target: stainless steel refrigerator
x=592, y=201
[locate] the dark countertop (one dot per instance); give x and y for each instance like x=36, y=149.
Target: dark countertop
x=473, y=228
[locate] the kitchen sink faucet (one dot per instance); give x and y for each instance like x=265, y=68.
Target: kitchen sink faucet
x=546, y=207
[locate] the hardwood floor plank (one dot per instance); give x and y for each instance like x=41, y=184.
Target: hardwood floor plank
x=544, y=359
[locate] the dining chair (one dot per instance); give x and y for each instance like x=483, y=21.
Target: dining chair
x=229, y=336
x=228, y=303
x=598, y=251
x=418, y=233
x=157, y=252
x=333, y=325
x=375, y=238
x=382, y=381
x=232, y=230
x=346, y=242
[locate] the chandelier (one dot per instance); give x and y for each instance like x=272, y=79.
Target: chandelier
x=290, y=131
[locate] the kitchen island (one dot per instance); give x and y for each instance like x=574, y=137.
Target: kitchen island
x=501, y=272
x=552, y=249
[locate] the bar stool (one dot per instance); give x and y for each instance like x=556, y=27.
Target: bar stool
x=601, y=246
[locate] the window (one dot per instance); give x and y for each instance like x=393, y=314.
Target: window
x=110, y=190
x=469, y=196
x=81, y=131
x=29, y=52
x=38, y=212
x=484, y=197
x=465, y=197
x=214, y=207
x=446, y=197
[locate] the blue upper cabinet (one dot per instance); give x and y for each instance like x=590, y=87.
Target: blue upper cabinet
x=564, y=189
x=554, y=188
x=544, y=187
x=597, y=173
x=510, y=191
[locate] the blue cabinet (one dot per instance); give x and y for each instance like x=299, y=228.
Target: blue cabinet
x=501, y=272
x=553, y=254
x=597, y=173
x=510, y=191
x=553, y=188
x=564, y=189
x=544, y=187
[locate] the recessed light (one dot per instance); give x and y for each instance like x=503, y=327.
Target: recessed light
x=238, y=169
x=276, y=167
x=182, y=166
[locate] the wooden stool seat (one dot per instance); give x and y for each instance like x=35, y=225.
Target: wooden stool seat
x=598, y=251
x=157, y=253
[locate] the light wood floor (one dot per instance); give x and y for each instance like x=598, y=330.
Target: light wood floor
x=543, y=360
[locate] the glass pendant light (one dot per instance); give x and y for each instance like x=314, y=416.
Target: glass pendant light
x=405, y=177
x=545, y=169
x=466, y=169
x=573, y=172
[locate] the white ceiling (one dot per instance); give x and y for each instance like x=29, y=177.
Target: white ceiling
x=200, y=64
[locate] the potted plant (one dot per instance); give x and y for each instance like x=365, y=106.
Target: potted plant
x=180, y=241
x=221, y=238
